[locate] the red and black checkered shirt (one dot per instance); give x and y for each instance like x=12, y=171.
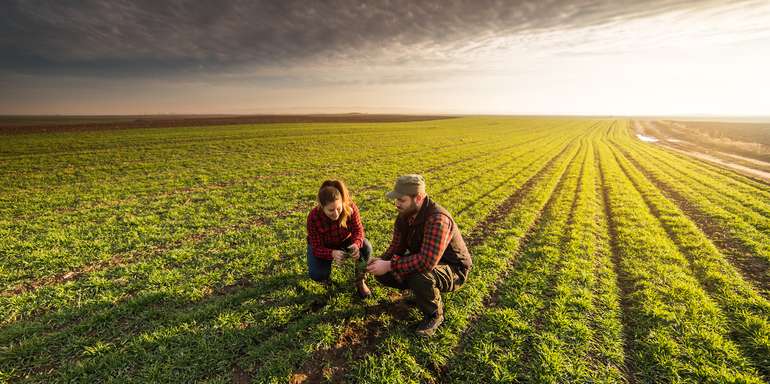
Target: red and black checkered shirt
x=437, y=233
x=325, y=235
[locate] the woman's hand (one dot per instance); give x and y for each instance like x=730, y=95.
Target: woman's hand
x=338, y=256
x=355, y=253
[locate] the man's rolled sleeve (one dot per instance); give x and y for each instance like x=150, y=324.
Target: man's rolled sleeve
x=438, y=232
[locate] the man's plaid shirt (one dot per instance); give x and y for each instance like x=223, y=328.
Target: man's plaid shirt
x=325, y=235
x=437, y=234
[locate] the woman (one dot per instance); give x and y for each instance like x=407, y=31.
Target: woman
x=334, y=230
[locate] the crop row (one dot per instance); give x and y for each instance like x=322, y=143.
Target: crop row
x=735, y=229
x=397, y=356
x=746, y=311
x=675, y=330
x=221, y=259
x=63, y=242
x=283, y=354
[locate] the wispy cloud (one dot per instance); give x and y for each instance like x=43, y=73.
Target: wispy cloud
x=259, y=46
x=108, y=37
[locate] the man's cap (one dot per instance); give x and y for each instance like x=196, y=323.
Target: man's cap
x=407, y=185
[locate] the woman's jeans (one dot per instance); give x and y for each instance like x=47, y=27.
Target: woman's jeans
x=320, y=269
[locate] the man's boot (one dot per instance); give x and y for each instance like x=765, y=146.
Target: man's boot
x=430, y=324
x=361, y=288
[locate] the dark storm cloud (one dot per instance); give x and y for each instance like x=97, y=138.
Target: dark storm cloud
x=103, y=38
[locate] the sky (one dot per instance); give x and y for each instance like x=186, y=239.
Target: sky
x=583, y=57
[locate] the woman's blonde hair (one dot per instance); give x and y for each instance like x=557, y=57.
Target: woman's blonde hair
x=330, y=191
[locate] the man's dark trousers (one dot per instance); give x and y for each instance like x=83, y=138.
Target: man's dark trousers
x=427, y=287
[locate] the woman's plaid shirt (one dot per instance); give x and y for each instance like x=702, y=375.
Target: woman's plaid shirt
x=325, y=235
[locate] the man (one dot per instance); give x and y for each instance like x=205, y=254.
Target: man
x=427, y=254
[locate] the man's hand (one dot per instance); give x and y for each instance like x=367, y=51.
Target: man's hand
x=378, y=267
x=338, y=256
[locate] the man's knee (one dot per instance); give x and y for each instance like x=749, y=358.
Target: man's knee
x=426, y=294
x=422, y=285
x=420, y=281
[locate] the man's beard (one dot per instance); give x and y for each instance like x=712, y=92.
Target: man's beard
x=407, y=213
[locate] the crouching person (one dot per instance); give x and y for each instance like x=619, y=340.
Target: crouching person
x=427, y=254
x=335, y=231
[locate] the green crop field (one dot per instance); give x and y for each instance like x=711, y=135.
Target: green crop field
x=178, y=255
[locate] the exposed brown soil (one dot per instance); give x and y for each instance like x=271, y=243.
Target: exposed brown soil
x=746, y=170
x=357, y=339
x=722, y=152
x=240, y=376
x=127, y=122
